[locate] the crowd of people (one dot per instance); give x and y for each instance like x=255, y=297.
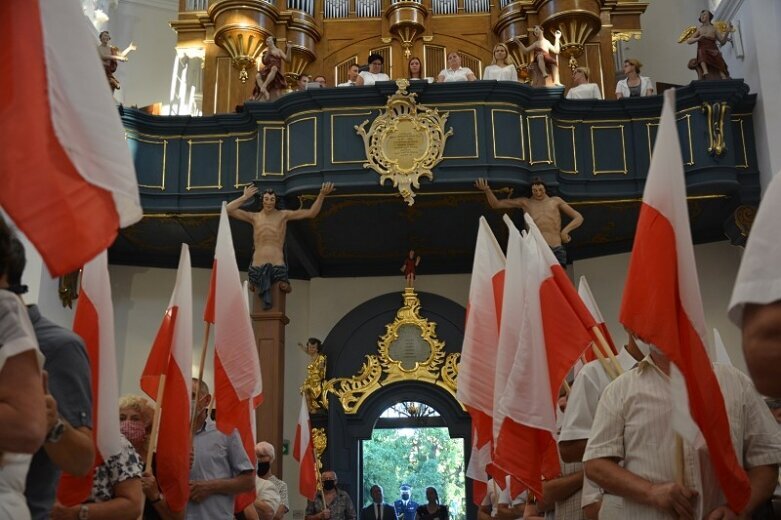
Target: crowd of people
x=502, y=68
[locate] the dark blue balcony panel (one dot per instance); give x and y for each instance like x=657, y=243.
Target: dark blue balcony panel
x=595, y=154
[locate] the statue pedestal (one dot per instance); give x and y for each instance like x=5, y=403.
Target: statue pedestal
x=269, y=328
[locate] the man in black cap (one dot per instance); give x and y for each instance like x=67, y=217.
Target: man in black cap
x=405, y=507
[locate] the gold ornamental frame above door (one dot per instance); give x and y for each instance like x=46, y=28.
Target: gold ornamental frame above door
x=405, y=142
x=408, y=351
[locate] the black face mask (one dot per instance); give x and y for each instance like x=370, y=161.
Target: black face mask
x=405, y=496
x=329, y=485
x=263, y=468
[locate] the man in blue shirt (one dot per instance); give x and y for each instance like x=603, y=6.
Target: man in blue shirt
x=221, y=468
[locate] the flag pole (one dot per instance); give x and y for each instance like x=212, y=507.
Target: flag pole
x=201, y=364
x=604, y=345
x=611, y=373
x=155, y=423
x=567, y=388
x=679, y=459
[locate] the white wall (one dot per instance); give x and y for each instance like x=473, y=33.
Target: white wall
x=146, y=77
x=717, y=266
x=663, y=59
x=759, y=21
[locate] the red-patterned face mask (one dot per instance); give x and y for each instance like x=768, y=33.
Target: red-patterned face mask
x=134, y=431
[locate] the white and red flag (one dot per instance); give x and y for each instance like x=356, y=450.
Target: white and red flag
x=478, y=353
x=584, y=291
x=237, y=380
x=304, y=454
x=94, y=322
x=171, y=357
x=553, y=329
x=68, y=180
x=662, y=303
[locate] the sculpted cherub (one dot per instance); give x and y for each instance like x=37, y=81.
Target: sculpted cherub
x=545, y=53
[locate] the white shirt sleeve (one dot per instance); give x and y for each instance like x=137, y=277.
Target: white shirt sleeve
x=759, y=276
x=582, y=404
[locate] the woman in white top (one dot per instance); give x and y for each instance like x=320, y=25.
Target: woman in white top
x=454, y=70
x=374, y=74
x=502, y=67
x=23, y=413
x=582, y=88
x=634, y=85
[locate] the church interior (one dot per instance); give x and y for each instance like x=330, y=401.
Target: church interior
x=198, y=138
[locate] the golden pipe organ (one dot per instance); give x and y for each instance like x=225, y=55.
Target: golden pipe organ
x=327, y=36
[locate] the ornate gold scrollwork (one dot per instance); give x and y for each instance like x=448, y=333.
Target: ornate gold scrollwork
x=715, y=113
x=405, y=142
x=623, y=36
x=352, y=391
x=408, y=351
x=313, y=384
x=320, y=443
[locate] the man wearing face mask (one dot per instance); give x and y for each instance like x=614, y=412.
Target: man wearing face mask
x=576, y=423
x=332, y=503
x=269, y=485
x=405, y=507
x=221, y=468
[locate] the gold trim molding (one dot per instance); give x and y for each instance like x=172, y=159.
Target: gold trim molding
x=405, y=142
x=400, y=357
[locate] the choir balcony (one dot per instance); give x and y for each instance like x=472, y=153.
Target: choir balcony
x=594, y=154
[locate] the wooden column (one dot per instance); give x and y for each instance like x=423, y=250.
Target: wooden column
x=269, y=328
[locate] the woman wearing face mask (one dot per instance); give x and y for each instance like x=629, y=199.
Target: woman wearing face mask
x=116, y=486
x=330, y=504
x=135, y=423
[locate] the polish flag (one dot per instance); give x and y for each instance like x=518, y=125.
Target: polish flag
x=304, y=454
x=94, y=322
x=584, y=291
x=171, y=356
x=553, y=328
x=237, y=380
x=236, y=365
x=478, y=353
x=68, y=179
x=662, y=303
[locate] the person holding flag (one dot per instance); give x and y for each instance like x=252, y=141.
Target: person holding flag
x=665, y=472
x=221, y=467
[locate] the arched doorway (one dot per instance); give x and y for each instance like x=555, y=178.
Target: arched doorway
x=371, y=349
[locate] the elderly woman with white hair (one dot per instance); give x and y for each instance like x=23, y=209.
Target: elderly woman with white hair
x=266, y=454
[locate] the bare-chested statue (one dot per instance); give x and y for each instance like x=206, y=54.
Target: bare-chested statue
x=709, y=62
x=546, y=212
x=268, y=232
x=545, y=54
x=111, y=56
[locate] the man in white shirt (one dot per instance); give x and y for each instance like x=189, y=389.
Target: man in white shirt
x=633, y=424
x=352, y=76
x=378, y=509
x=578, y=418
x=756, y=299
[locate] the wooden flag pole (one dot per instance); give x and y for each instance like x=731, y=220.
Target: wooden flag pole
x=679, y=477
x=566, y=386
x=609, y=351
x=611, y=373
x=200, y=374
x=155, y=424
